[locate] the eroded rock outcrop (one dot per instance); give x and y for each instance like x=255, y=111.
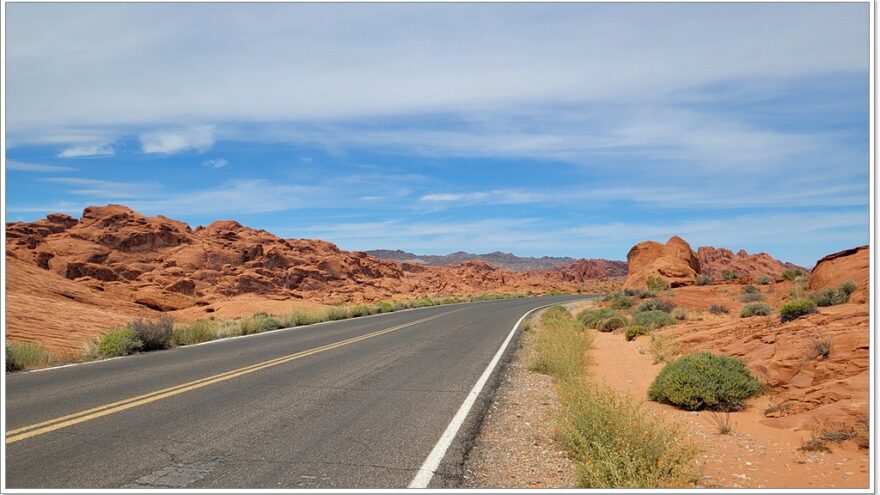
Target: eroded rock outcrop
x=715, y=261
x=847, y=265
x=674, y=262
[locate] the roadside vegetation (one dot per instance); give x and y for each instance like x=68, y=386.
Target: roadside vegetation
x=613, y=441
x=143, y=335
x=705, y=381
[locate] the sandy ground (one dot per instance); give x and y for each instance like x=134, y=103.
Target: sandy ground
x=515, y=446
x=754, y=455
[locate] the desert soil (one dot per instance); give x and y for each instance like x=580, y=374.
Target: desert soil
x=516, y=448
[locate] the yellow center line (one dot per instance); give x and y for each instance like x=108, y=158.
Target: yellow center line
x=35, y=429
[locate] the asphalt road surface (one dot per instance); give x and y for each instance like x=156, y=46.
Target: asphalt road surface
x=359, y=403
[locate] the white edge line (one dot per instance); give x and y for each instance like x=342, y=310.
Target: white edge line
x=432, y=462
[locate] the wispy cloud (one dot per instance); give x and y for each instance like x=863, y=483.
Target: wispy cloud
x=199, y=138
x=101, y=189
x=36, y=167
x=216, y=163
x=87, y=150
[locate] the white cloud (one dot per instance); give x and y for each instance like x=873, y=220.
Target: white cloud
x=216, y=163
x=87, y=150
x=199, y=138
x=386, y=60
x=36, y=167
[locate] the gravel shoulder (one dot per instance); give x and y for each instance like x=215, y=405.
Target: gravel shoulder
x=515, y=446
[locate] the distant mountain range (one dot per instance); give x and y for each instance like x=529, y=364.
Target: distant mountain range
x=497, y=258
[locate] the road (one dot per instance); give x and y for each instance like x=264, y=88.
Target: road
x=359, y=403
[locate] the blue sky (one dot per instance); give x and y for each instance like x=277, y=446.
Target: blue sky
x=563, y=129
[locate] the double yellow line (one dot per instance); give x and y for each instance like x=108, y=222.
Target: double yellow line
x=35, y=429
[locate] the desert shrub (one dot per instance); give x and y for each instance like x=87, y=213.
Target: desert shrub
x=796, y=308
x=27, y=355
x=750, y=289
x=384, y=307
x=612, y=323
x=362, y=310
x=662, y=351
x=664, y=305
x=335, y=313
x=621, y=301
x=639, y=293
x=423, y=302
x=705, y=381
x=680, y=314
x=755, y=309
x=194, y=333
x=704, y=280
x=633, y=331
x=119, y=343
x=653, y=319
x=847, y=288
x=729, y=275
x=302, y=317
x=722, y=422
x=833, y=296
x=260, y=322
x=764, y=279
x=604, y=319
x=560, y=345
x=751, y=297
x=791, y=274
x=615, y=443
x=718, y=309
x=154, y=335
x=657, y=284
x=820, y=346
x=556, y=312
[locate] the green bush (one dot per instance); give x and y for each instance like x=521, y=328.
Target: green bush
x=154, y=335
x=791, y=274
x=621, y=301
x=750, y=289
x=705, y=381
x=653, y=319
x=680, y=314
x=751, y=297
x=718, y=309
x=729, y=275
x=755, y=309
x=335, y=313
x=832, y=297
x=612, y=323
x=664, y=305
x=560, y=345
x=634, y=331
x=194, y=333
x=764, y=279
x=704, y=280
x=657, y=284
x=796, y=308
x=591, y=318
x=119, y=343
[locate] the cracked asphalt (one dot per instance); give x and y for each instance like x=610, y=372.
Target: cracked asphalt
x=363, y=415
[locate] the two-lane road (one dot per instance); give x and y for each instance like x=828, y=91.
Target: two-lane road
x=354, y=403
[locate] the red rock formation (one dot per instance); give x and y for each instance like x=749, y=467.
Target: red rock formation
x=714, y=261
x=674, y=261
x=848, y=265
x=159, y=264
